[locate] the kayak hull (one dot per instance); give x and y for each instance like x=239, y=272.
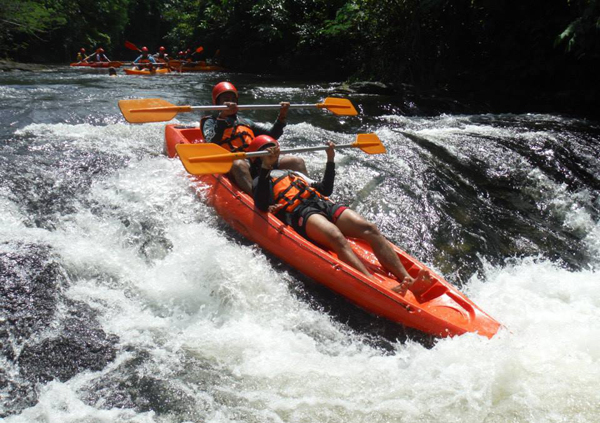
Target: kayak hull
x=183, y=66
x=441, y=311
x=135, y=71
x=92, y=64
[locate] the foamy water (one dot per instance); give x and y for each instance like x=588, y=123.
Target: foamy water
x=210, y=329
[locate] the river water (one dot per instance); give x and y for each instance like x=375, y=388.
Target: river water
x=124, y=298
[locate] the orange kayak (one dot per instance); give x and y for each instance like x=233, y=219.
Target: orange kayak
x=135, y=71
x=183, y=66
x=440, y=311
x=94, y=64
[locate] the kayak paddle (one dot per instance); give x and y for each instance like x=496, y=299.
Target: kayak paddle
x=158, y=110
x=206, y=158
x=132, y=46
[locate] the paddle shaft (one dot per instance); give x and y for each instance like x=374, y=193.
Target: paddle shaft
x=218, y=157
x=265, y=106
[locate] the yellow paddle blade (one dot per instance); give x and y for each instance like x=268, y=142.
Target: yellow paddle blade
x=338, y=106
x=202, y=159
x=149, y=110
x=369, y=143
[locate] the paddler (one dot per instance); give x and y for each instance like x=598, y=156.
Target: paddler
x=303, y=203
x=144, y=58
x=100, y=56
x=162, y=56
x=81, y=55
x=236, y=133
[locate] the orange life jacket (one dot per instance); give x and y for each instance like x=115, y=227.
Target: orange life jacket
x=290, y=190
x=237, y=138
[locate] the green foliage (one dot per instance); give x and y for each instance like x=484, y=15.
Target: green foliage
x=582, y=36
x=427, y=43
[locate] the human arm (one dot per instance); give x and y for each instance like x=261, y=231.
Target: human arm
x=261, y=190
x=325, y=187
x=276, y=130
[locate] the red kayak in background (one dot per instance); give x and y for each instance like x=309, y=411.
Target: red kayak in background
x=441, y=311
x=113, y=64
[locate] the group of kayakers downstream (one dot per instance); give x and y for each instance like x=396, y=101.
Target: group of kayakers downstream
x=149, y=64
x=265, y=193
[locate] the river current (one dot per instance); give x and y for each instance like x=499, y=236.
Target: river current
x=124, y=297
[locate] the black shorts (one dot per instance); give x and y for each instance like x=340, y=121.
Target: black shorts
x=298, y=218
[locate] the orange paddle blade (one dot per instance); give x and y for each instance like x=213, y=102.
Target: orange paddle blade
x=369, y=143
x=149, y=110
x=202, y=159
x=338, y=106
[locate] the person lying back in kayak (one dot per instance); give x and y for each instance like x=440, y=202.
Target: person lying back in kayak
x=302, y=203
x=235, y=133
x=144, y=58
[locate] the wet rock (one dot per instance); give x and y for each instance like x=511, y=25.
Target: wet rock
x=29, y=284
x=367, y=87
x=9, y=65
x=43, y=335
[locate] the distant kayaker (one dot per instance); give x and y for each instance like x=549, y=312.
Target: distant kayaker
x=162, y=56
x=81, y=55
x=302, y=203
x=100, y=56
x=144, y=58
x=235, y=133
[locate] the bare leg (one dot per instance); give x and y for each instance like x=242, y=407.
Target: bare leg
x=322, y=231
x=354, y=225
x=293, y=163
x=241, y=173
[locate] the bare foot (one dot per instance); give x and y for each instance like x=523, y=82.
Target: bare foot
x=417, y=285
x=403, y=286
x=422, y=283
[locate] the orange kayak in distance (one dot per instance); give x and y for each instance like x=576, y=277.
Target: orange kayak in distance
x=94, y=64
x=441, y=311
x=135, y=71
x=183, y=66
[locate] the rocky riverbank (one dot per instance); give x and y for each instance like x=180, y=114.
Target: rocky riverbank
x=9, y=65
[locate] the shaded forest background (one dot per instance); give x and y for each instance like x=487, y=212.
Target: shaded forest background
x=523, y=51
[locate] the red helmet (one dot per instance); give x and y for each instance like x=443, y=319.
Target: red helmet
x=223, y=87
x=144, y=49
x=99, y=50
x=162, y=49
x=82, y=50
x=261, y=142
x=180, y=53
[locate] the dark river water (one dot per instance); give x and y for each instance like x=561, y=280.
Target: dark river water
x=124, y=298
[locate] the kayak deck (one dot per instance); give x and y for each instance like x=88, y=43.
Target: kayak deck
x=442, y=310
